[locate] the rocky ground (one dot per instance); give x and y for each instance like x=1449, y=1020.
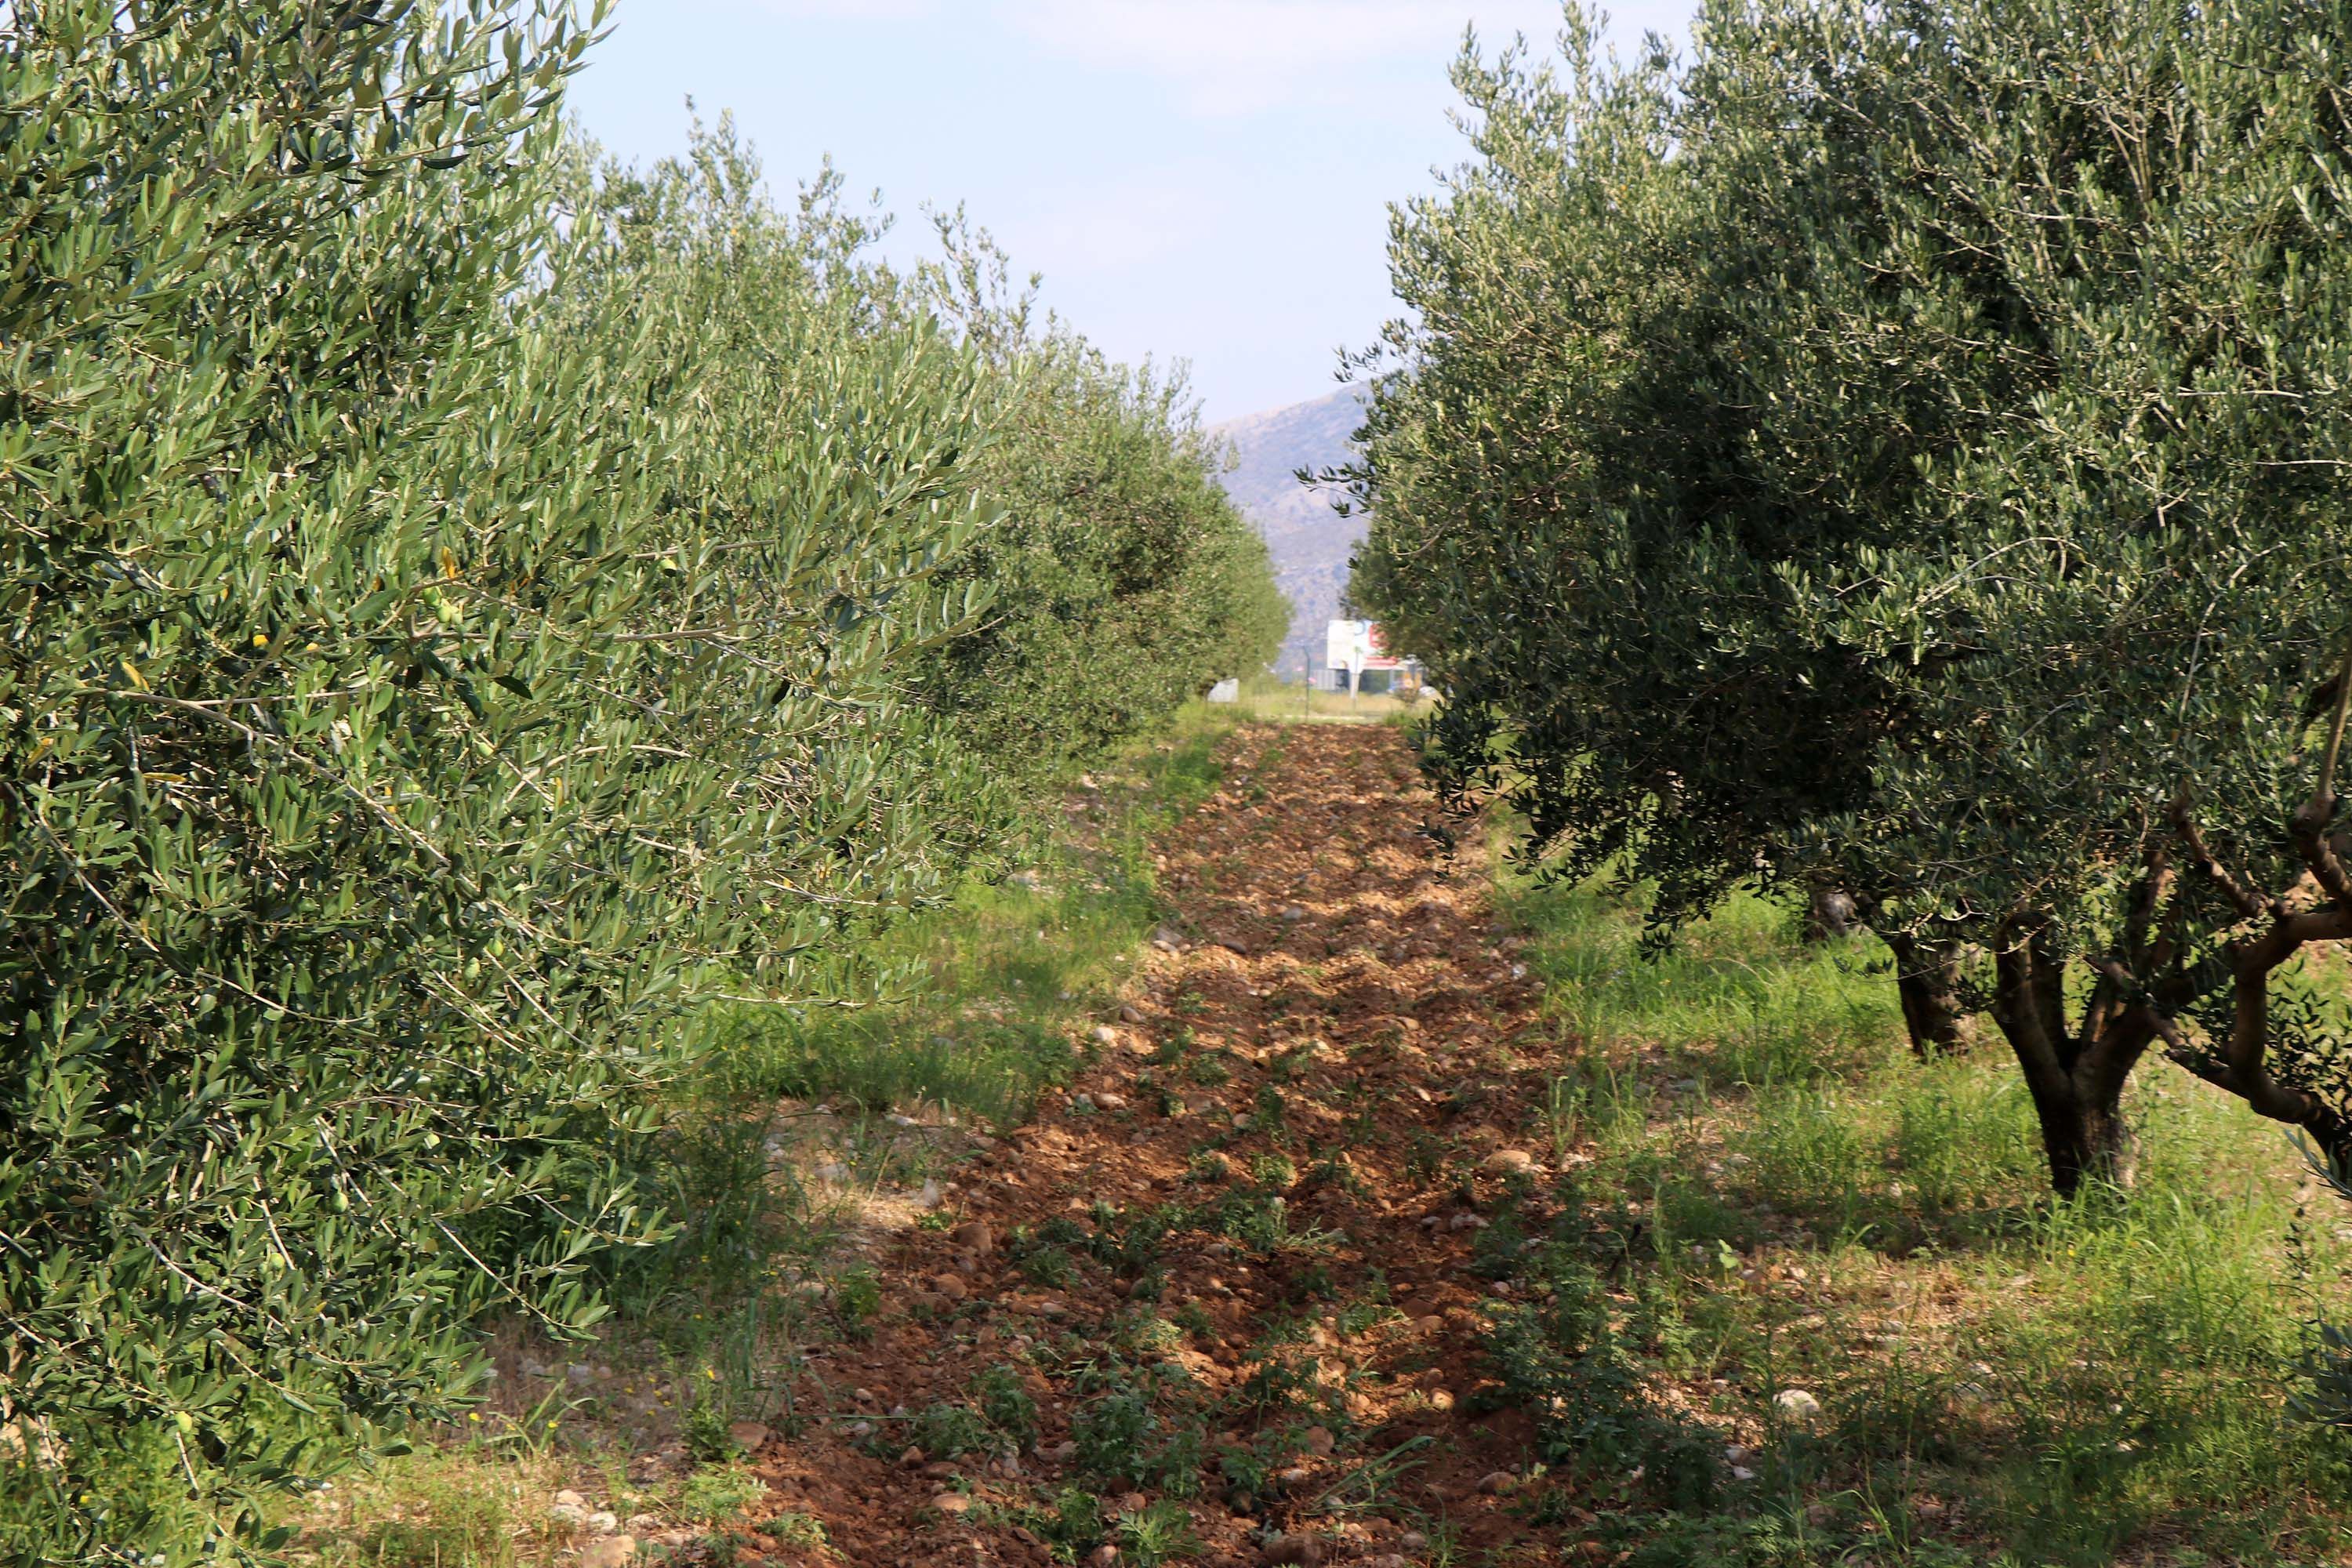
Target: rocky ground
x=1219, y=1291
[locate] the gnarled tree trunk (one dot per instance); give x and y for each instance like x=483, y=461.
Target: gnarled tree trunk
x=2084, y=1140
x=1927, y=979
x=2075, y=1077
x=1830, y=914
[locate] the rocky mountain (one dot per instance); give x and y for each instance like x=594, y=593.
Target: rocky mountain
x=1310, y=542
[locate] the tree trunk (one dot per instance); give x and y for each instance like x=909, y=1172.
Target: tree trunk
x=2076, y=1080
x=1830, y=915
x=1927, y=979
x=2084, y=1140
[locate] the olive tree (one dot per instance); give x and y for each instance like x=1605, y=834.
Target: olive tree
x=388, y=745
x=1126, y=582
x=1573, y=524
x=2093, y=304
x=1983, y=452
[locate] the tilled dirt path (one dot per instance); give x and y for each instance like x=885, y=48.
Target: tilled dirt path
x=1232, y=1262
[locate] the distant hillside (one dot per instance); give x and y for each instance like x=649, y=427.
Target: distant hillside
x=1310, y=542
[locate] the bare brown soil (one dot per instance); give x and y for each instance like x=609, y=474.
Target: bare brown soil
x=1334, y=959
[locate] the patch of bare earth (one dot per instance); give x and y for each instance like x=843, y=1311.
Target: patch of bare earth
x=1341, y=969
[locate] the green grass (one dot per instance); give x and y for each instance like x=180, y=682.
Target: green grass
x=1270, y=698
x=961, y=1013
x=974, y=1004
x=2005, y=1379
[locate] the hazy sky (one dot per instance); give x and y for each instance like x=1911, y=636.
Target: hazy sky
x=1204, y=180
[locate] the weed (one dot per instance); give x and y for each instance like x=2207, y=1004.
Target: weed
x=1248, y=1473
x=1006, y=1404
x=1312, y=1283
x=1050, y=1266
x=1261, y=1222
x=1425, y=1157
x=1338, y=1172
x=1374, y=1486
x=1150, y=1336
x=857, y=1297
x=704, y=1427
x=1175, y=1047
x=947, y=1431
x=1286, y=1384
x=1070, y=1527
x=462, y=1527
x=799, y=1529
x=1161, y=1532
x=1273, y=1173
x=1565, y=1362
x=1122, y=1437
x=719, y=1493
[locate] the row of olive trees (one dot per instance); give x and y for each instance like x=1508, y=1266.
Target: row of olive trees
x=1905, y=447
x=462, y=605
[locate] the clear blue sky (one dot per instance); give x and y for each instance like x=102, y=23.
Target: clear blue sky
x=1203, y=180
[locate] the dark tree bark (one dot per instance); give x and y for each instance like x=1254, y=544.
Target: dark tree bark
x=1927, y=979
x=2076, y=1078
x=2086, y=1141
x=1830, y=915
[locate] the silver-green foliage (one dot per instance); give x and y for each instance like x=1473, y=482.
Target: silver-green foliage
x=1935, y=416
x=1127, y=583
x=449, y=631
x=324, y=846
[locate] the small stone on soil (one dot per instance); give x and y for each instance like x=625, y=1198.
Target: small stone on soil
x=1507, y=1162
x=613, y=1552
x=1796, y=1405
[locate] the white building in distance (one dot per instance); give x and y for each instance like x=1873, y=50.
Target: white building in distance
x=1356, y=659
